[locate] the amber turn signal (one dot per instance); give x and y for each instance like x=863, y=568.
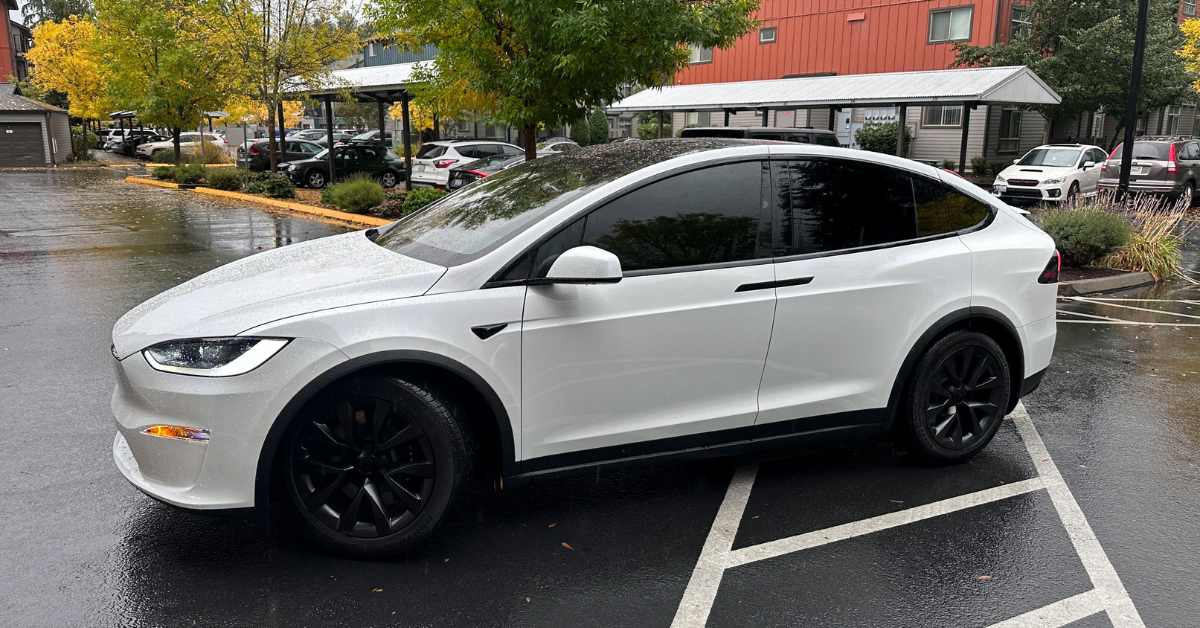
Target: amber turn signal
x=174, y=431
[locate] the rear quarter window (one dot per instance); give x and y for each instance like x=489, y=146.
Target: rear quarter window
x=430, y=151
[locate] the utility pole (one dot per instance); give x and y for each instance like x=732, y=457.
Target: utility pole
x=1131, y=109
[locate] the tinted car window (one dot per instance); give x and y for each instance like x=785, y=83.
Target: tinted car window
x=705, y=216
x=832, y=204
x=429, y=151
x=512, y=150
x=470, y=152
x=825, y=140
x=369, y=154
x=766, y=136
x=963, y=211
x=1145, y=150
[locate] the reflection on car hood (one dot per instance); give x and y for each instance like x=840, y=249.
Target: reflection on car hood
x=1040, y=173
x=337, y=271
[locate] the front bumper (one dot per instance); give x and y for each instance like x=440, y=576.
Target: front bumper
x=435, y=178
x=1029, y=194
x=221, y=473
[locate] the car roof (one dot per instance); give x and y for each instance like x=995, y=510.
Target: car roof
x=763, y=129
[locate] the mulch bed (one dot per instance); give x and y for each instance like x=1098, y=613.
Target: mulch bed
x=1087, y=272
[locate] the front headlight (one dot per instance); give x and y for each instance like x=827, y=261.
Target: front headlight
x=292, y=168
x=212, y=357
x=1054, y=181
x=1001, y=181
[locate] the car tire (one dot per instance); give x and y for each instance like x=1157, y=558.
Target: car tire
x=315, y=179
x=957, y=397
x=1188, y=194
x=371, y=487
x=1073, y=192
x=389, y=179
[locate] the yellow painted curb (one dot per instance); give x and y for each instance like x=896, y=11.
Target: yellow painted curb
x=154, y=182
x=154, y=165
x=330, y=214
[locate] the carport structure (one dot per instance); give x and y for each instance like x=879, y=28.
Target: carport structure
x=383, y=84
x=970, y=87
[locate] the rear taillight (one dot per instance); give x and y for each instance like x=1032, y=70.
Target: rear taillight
x=444, y=163
x=1104, y=167
x=478, y=173
x=1171, y=167
x=1050, y=274
x=253, y=150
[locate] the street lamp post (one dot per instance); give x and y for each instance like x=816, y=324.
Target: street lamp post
x=1131, y=109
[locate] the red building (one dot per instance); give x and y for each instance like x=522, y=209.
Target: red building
x=15, y=43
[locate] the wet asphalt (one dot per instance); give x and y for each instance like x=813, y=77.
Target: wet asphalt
x=79, y=547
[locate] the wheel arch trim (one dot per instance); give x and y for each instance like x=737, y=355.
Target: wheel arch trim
x=266, y=457
x=943, y=324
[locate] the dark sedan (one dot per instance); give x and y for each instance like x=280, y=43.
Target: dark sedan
x=260, y=152
x=380, y=163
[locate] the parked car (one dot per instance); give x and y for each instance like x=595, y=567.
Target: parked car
x=1167, y=166
x=471, y=171
x=631, y=303
x=126, y=141
x=106, y=137
x=186, y=140
x=259, y=152
x=801, y=135
x=556, y=146
x=339, y=137
x=380, y=163
x=1054, y=172
x=431, y=164
x=372, y=137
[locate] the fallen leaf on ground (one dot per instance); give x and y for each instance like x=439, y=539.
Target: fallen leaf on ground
x=552, y=525
x=567, y=546
x=527, y=599
x=378, y=590
x=985, y=577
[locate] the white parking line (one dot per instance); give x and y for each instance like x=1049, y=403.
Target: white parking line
x=1129, y=307
x=1141, y=323
x=1108, y=595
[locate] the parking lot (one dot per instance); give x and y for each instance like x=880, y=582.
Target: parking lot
x=1083, y=512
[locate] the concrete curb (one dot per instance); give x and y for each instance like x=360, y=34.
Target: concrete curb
x=154, y=182
x=1104, y=284
x=319, y=212
x=155, y=165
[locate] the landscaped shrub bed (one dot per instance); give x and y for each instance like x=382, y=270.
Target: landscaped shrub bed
x=271, y=184
x=1084, y=235
x=355, y=194
x=229, y=179
x=421, y=197
x=187, y=174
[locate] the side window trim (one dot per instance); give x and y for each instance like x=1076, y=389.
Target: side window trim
x=765, y=218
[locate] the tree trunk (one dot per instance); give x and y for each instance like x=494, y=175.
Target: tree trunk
x=272, y=146
x=1116, y=137
x=529, y=135
x=175, y=140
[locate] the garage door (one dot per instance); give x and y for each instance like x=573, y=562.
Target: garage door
x=21, y=145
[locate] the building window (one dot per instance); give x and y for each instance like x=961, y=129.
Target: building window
x=697, y=118
x=371, y=49
x=1189, y=7
x=950, y=24
x=700, y=55
x=1022, y=22
x=942, y=115
x=1172, y=125
x=1010, y=131
x=767, y=35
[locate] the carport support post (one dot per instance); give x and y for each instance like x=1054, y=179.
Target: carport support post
x=660, y=122
x=245, y=153
x=766, y=116
x=407, y=140
x=833, y=118
x=329, y=134
x=726, y=117
x=962, y=144
x=903, y=109
x=437, y=134
x=282, y=134
x=382, y=125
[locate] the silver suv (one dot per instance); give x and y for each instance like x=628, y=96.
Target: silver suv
x=1169, y=166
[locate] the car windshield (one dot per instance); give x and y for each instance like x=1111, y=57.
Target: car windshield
x=429, y=151
x=1052, y=157
x=1159, y=151
x=470, y=223
x=321, y=155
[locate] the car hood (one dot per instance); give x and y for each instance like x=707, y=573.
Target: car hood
x=1041, y=173
x=336, y=271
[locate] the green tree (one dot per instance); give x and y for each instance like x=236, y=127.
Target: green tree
x=881, y=138
x=159, y=64
x=598, y=126
x=581, y=132
x=545, y=62
x=1084, y=50
x=35, y=12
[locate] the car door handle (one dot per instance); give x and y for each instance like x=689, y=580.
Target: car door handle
x=782, y=283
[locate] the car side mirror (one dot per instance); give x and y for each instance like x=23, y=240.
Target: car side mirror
x=1088, y=164
x=584, y=264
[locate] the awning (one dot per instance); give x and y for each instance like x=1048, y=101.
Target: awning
x=369, y=83
x=1002, y=85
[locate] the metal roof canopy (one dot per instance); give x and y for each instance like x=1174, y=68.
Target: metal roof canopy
x=1000, y=85
x=381, y=82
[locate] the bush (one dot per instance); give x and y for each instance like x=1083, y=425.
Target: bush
x=421, y=197
x=598, y=126
x=979, y=165
x=881, y=138
x=190, y=173
x=649, y=130
x=998, y=166
x=225, y=179
x=165, y=173
x=355, y=195
x=580, y=132
x=1084, y=235
x=213, y=154
x=1156, y=242
x=272, y=184
x=390, y=208
x=82, y=140
x=949, y=164
x=163, y=156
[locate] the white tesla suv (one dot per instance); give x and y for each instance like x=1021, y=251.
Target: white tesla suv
x=617, y=305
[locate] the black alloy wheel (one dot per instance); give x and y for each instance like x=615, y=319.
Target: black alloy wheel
x=959, y=396
x=315, y=179
x=373, y=465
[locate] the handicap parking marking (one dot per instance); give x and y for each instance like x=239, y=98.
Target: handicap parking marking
x=1108, y=593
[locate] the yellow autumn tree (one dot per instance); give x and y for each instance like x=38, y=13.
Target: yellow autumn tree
x=64, y=60
x=255, y=112
x=1191, y=49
